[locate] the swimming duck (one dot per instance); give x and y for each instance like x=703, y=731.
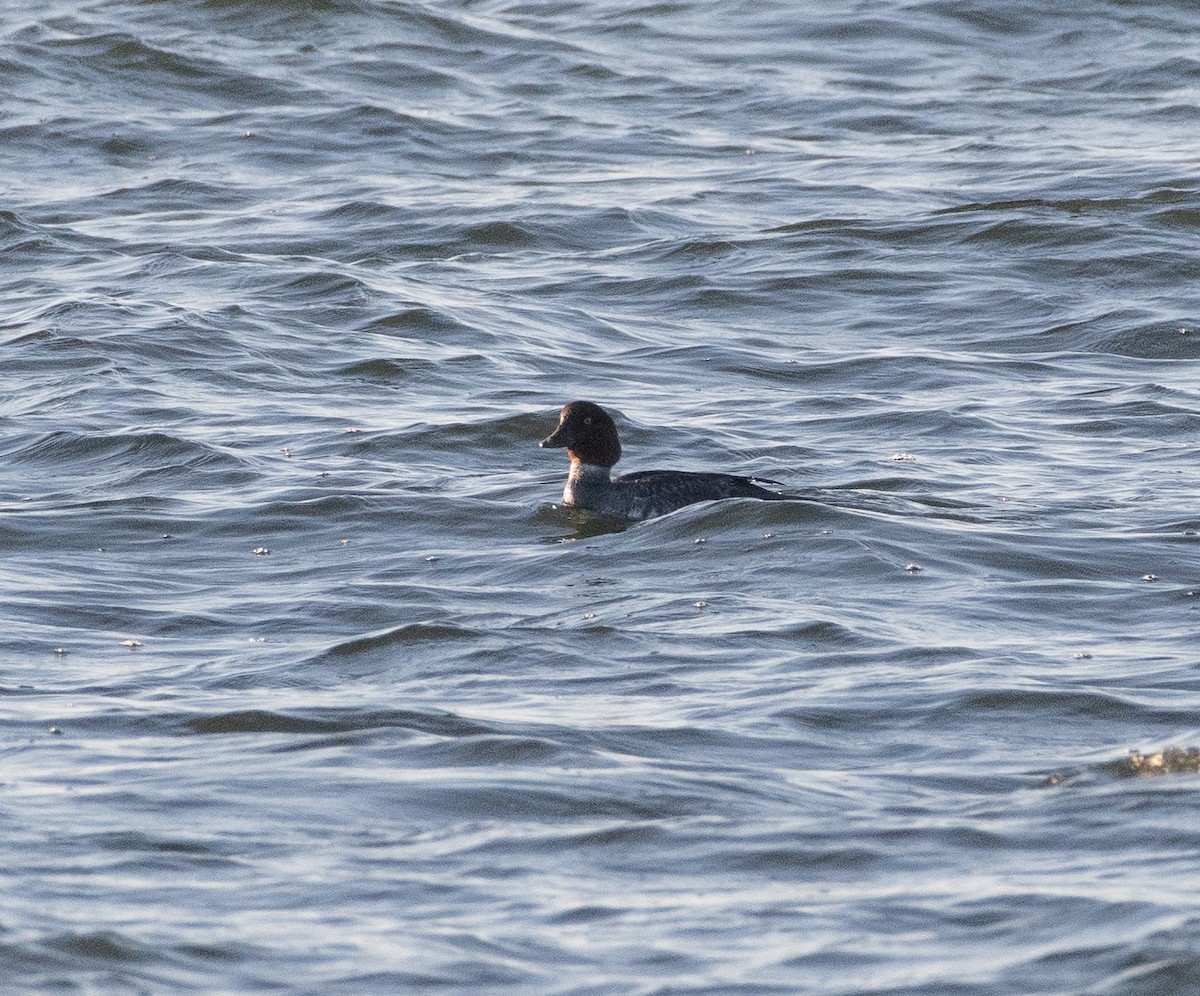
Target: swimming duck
x=590, y=437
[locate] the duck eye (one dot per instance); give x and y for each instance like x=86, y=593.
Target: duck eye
x=587, y=420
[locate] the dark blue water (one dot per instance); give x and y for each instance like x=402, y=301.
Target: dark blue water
x=308, y=684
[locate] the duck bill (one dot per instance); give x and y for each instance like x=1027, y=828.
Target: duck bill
x=557, y=439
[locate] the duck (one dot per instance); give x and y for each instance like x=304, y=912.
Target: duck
x=589, y=435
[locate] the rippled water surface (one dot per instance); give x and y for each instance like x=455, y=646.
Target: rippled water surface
x=309, y=685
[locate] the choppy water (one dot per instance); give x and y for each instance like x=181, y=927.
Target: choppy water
x=314, y=278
